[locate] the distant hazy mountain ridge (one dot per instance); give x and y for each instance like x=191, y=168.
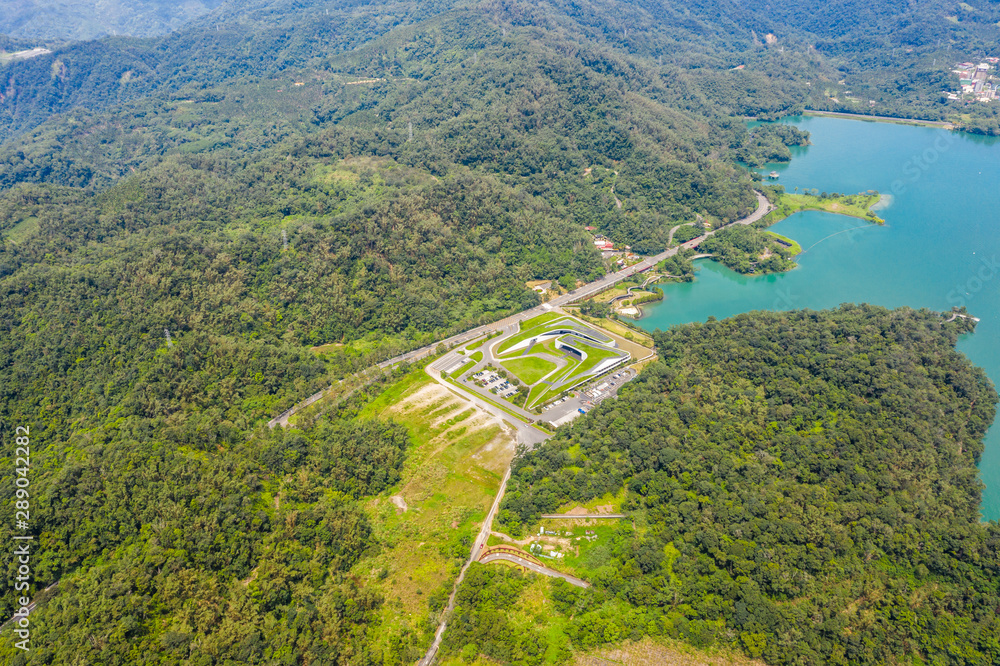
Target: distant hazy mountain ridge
x=89, y=19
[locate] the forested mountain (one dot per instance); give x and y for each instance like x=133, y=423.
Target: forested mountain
x=51, y=20
x=259, y=38
x=900, y=60
x=152, y=482
x=543, y=108
x=802, y=484
x=184, y=216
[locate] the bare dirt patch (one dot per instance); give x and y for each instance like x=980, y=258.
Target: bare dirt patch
x=249, y=579
x=551, y=541
x=426, y=399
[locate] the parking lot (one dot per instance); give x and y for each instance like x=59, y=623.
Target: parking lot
x=496, y=384
x=587, y=397
x=609, y=386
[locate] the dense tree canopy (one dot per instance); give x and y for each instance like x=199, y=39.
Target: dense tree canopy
x=804, y=486
x=182, y=218
x=748, y=250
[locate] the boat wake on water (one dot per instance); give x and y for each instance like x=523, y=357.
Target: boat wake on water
x=837, y=233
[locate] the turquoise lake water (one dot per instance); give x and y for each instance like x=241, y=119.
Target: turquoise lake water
x=940, y=246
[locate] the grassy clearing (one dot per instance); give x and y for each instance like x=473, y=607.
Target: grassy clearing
x=585, y=557
x=887, y=119
x=608, y=503
x=476, y=356
x=23, y=230
x=608, y=295
x=331, y=174
x=394, y=394
x=548, y=346
x=477, y=344
x=595, y=355
x=372, y=344
x=536, y=392
x=319, y=350
x=454, y=465
x=642, y=364
x=852, y=205
x=529, y=369
x=548, y=392
x=795, y=247
x=619, y=330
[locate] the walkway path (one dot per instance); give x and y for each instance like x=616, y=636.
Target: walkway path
x=537, y=568
x=956, y=315
x=862, y=116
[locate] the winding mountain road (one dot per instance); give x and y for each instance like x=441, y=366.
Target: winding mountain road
x=763, y=208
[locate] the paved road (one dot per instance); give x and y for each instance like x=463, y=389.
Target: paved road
x=364, y=377
x=478, y=544
x=30, y=607
x=670, y=238
x=763, y=208
x=584, y=395
x=537, y=568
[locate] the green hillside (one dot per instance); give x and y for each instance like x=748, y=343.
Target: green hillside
x=800, y=485
x=85, y=19
x=185, y=217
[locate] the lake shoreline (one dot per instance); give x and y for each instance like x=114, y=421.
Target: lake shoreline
x=940, y=124
x=828, y=205
x=939, y=248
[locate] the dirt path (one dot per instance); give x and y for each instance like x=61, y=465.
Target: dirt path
x=476, y=546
